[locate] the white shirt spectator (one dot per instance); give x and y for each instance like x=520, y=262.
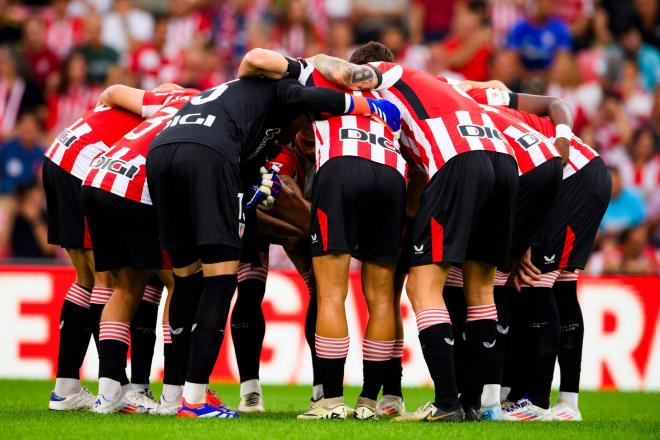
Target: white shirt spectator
x=116, y=29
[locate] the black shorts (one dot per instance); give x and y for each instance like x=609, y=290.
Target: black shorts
x=66, y=220
x=198, y=196
x=358, y=207
x=571, y=229
x=124, y=232
x=537, y=191
x=467, y=211
x=403, y=267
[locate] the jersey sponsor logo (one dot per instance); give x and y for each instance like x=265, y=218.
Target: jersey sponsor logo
x=71, y=134
x=528, y=140
x=191, y=119
x=472, y=130
x=116, y=166
x=356, y=134
x=270, y=135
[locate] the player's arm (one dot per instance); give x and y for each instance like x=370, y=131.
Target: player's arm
x=119, y=95
x=345, y=74
x=277, y=228
x=560, y=113
x=466, y=85
x=264, y=63
x=292, y=206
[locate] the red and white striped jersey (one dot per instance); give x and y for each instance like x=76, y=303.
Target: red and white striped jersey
x=76, y=146
x=439, y=121
x=121, y=170
x=354, y=135
x=579, y=154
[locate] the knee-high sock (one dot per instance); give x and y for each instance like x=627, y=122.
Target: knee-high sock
x=480, y=340
x=183, y=305
x=75, y=332
x=572, y=335
x=455, y=301
x=392, y=382
x=516, y=346
x=100, y=296
x=375, y=359
x=143, y=335
x=310, y=332
x=171, y=372
x=437, y=340
x=248, y=327
x=114, y=339
x=208, y=328
x=332, y=354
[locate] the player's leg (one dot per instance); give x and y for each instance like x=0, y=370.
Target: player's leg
x=570, y=346
x=378, y=343
x=248, y=328
x=75, y=333
x=103, y=287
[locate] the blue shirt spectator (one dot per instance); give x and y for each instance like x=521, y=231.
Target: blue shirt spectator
x=626, y=208
x=21, y=157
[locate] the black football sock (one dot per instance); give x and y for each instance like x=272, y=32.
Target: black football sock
x=513, y=375
x=480, y=341
x=394, y=373
x=542, y=318
x=183, y=306
x=572, y=335
x=310, y=332
x=114, y=338
x=375, y=360
x=143, y=340
x=332, y=354
x=208, y=329
x=171, y=374
x=248, y=327
x=455, y=302
x=496, y=369
x=75, y=332
x=437, y=343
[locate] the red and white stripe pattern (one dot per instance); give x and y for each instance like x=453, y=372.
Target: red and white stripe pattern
x=246, y=271
x=397, y=351
x=579, y=155
x=78, y=295
x=454, y=277
x=431, y=316
x=566, y=275
x=475, y=313
x=152, y=294
x=377, y=351
x=331, y=348
x=547, y=280
x=115, y=331
x=167, y=335
x=501, y=278
x=360, y=136
x=101, y=295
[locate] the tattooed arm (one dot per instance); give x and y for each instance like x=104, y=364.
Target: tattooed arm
x=345, y=74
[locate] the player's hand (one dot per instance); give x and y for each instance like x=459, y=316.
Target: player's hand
x=563, y=147
x=384, y=111
x=526, y=273
x=266, y=190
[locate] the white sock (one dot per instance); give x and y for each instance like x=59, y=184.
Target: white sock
x=172, y=393
x=65, y=387
x=570, y=399
x=110, y=388
x=317, y=392
x=195, y=392
x=490, y=395
x=250, y=386
x=504, y=393
x=140, y=386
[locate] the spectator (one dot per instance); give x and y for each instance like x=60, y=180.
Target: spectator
x=10, y=26
x=148, y=64
x=640, y=166
x=394, y=37
x=21, y=157
x=638, y=256
x=626, y=208
x=29, y=236
x=372, y=15
x=234, y=23
x=17, y=95
x=505, y=66
x=504, y=14
x=539, y=36
x=74, y=96
x=577, y=14
x=631, y=45
x=186, y=28
x=431, y=19
x=42, y=64
x=648, y=21
x=468, y=46
x=612, y=129
x=637, y=102
x=125, y=27
x=341, y=39
x=63, y=32
x=100, y=59
x=294, y=32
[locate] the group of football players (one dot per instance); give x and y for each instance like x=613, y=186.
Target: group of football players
x=480, y=200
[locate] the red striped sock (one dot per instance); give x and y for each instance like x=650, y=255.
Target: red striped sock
x=101, y=295
x=475, y=313
x=378, y=351
x=167, y=336
x=331, y=348
x=432, y=316
x=152, y=294
x=117, y=331
x=397, y=350
x=79, y=295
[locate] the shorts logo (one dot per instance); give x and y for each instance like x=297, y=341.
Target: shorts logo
x=176, y=331
x=419, y=249
x=471, y=130
x=194, y=326
x=550, y=259
x=449, y=341
x=315, y=238
x=355, y=134
x=61, y=324
x=502, y=330
x=489, y=344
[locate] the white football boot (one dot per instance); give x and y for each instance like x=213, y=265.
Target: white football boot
x=526, y=411
x=565, y=413
x=365, y=409
x=328, y=409
x=391, y=406
x=83, y=399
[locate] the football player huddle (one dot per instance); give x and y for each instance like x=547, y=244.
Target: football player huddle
x=480, y=201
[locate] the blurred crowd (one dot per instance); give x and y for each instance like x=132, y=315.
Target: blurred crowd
x=602, y=56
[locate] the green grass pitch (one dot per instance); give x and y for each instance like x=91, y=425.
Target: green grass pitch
x=24, y=414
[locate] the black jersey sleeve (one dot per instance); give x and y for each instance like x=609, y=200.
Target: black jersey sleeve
x=314, y=99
